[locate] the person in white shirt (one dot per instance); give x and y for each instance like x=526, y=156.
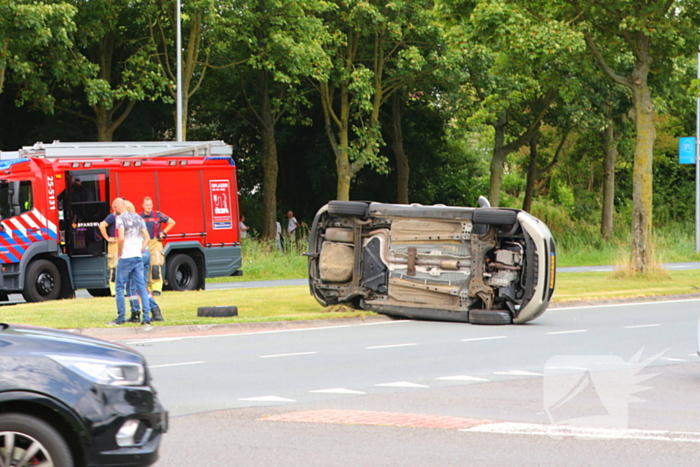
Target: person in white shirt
x=292, y=225
x=132, y=239
x=278, y=236
x=243, y=228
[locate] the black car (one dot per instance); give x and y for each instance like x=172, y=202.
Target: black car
x=68, y=400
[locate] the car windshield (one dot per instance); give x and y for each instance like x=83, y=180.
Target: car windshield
x=15, y=198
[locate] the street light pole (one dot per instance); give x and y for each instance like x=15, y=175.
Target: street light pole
x=178, y=49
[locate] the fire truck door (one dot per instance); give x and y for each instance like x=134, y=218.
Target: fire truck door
x=86, y=205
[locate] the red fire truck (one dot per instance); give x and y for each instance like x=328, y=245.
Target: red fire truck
x=54, y=196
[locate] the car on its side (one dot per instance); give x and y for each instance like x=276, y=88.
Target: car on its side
x=479, y=265
x=68, y=400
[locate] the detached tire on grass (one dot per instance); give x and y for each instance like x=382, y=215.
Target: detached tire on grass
x=489, y=317
x=217, y=311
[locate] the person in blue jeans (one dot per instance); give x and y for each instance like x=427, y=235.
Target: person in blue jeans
x=132, y=240
x=133, y=299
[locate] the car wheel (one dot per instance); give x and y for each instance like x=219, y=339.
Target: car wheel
x=347, y=208
x=490, y=216
x=489, y=317
x=42, y=281
x=99, y=292
x=182, y=273
x=32, y=441
x=217, y=311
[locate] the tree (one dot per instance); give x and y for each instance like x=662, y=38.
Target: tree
x=378, y=49
x=279, y=44
x=35, y=43
x=112, y=40
x=648, y=36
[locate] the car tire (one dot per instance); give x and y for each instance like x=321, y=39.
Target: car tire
x=217, y=311
x=182, y=272
x=42, y=281
x=489, y=317
x=29, y=431
x=491, y=216
x=347, y=208
x=99, y=292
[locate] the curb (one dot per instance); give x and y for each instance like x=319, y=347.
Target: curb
x=137, y=332
x=221, y=329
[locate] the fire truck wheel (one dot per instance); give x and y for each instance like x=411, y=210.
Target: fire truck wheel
x=42, y=281
x=182, y=272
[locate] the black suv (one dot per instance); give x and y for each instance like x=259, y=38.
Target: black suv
x=68, y=400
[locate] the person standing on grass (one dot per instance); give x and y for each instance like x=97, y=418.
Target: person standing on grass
x=107, y=230
x=131, y=286
x=132, y=240
x=292, y=225
x=243, y=228
x=154, y=221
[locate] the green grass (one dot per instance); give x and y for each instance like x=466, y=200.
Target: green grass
x=263, y=262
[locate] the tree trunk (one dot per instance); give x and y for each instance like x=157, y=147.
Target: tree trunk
x=403, y=168
x=270, y=165
x=610, y=153
x=642, y=252
x=497, y=161
x=531, y=175
x=104, y=134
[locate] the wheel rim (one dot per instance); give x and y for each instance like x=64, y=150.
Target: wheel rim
x=21, y=450
x=45, y=283
x=183, y=276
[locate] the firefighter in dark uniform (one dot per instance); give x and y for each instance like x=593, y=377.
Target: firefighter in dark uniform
x=154, y=221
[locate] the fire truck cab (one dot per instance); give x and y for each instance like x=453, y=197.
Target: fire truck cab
x=54, y=196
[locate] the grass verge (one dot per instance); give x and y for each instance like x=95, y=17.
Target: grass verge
x=295, y=303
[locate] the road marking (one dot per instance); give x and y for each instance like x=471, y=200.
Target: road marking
x=267, y=399
x=338, y=391
x=483, y=338
x=669, y=359
x=517, y=373
x=617, y=305
x=402, y=384
x=288, y=354
x=155, y=339
x=461, y=378
x=557, y=431
x=643, y=326
x=174, y=364
x=389, y=346
x=568, y=332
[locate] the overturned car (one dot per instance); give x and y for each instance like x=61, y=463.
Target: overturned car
x=478, y=265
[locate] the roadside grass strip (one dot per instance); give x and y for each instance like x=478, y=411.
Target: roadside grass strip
x=582, y=432
x=371, y=418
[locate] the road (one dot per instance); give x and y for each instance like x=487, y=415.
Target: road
x=470, y=395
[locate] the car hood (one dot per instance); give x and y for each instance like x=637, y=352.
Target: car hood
x=34, y=340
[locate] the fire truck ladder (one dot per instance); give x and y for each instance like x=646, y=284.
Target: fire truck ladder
x=149, y=149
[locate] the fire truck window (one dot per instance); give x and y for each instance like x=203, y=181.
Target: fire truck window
x=26, y=200
x=5, y=200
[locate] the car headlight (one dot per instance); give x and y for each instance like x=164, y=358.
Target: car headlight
x=107, y=372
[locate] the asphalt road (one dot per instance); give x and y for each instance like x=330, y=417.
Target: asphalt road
x=623, y=378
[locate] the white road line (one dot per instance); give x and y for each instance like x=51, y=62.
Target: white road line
x=389, y=346
x=402, y=384
x=267, y=399
x=669, y=359
x=174, y=364
x=517, y=373
x=567, y=332
x=643, y=326
x=617, y=305
x=473, y=339
x=558, y=431
x=461, y=378
x=288, y=354
x=155, y=339
x=337, y=391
